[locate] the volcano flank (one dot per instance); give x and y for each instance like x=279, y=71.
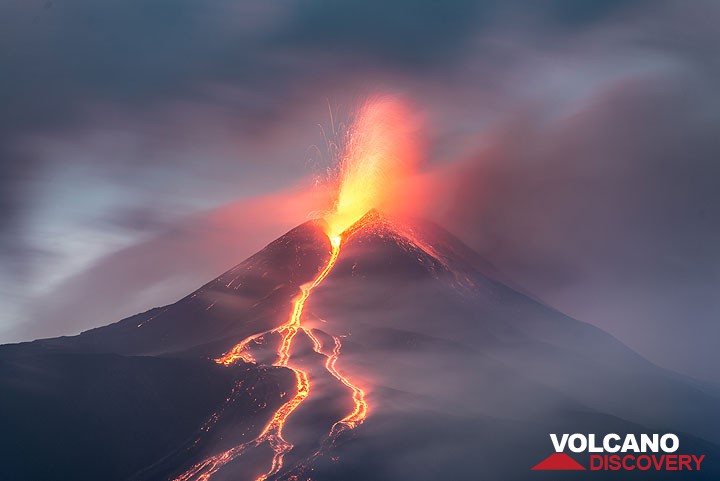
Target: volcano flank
x=394, y=352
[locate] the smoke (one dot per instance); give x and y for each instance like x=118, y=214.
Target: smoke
x=166, y=266
x=606, y=212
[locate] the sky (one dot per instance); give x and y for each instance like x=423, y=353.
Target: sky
x=148, y=146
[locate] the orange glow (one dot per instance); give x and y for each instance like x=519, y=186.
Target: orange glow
x=380, y=151
x=290, y=328
x=381, y=148
x=272, y=434
x=359, y=412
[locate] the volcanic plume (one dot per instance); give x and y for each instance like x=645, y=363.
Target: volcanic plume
x=360, y=345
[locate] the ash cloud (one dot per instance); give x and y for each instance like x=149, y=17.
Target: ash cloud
x=574, y=143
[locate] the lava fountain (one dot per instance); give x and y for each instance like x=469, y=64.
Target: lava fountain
x=378, y=150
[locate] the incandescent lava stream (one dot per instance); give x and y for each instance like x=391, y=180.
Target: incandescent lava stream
x=272, y=434
x=378, y=149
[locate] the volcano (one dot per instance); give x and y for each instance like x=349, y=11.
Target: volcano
x=401, y=354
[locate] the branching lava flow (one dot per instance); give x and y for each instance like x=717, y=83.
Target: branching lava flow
x=379, y=148
x=272, y=434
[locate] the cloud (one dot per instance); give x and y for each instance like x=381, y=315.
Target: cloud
x=574, y=143
x=400, y=35
x=166, y=266
x=607, y=214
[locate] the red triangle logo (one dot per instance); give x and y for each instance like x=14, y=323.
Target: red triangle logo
x=558, y=462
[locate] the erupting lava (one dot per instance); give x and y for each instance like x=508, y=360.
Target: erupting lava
x=378, y=148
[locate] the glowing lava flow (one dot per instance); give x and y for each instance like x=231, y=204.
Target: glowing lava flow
x=380, y=148
x=359, y=413
x=273, y=431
